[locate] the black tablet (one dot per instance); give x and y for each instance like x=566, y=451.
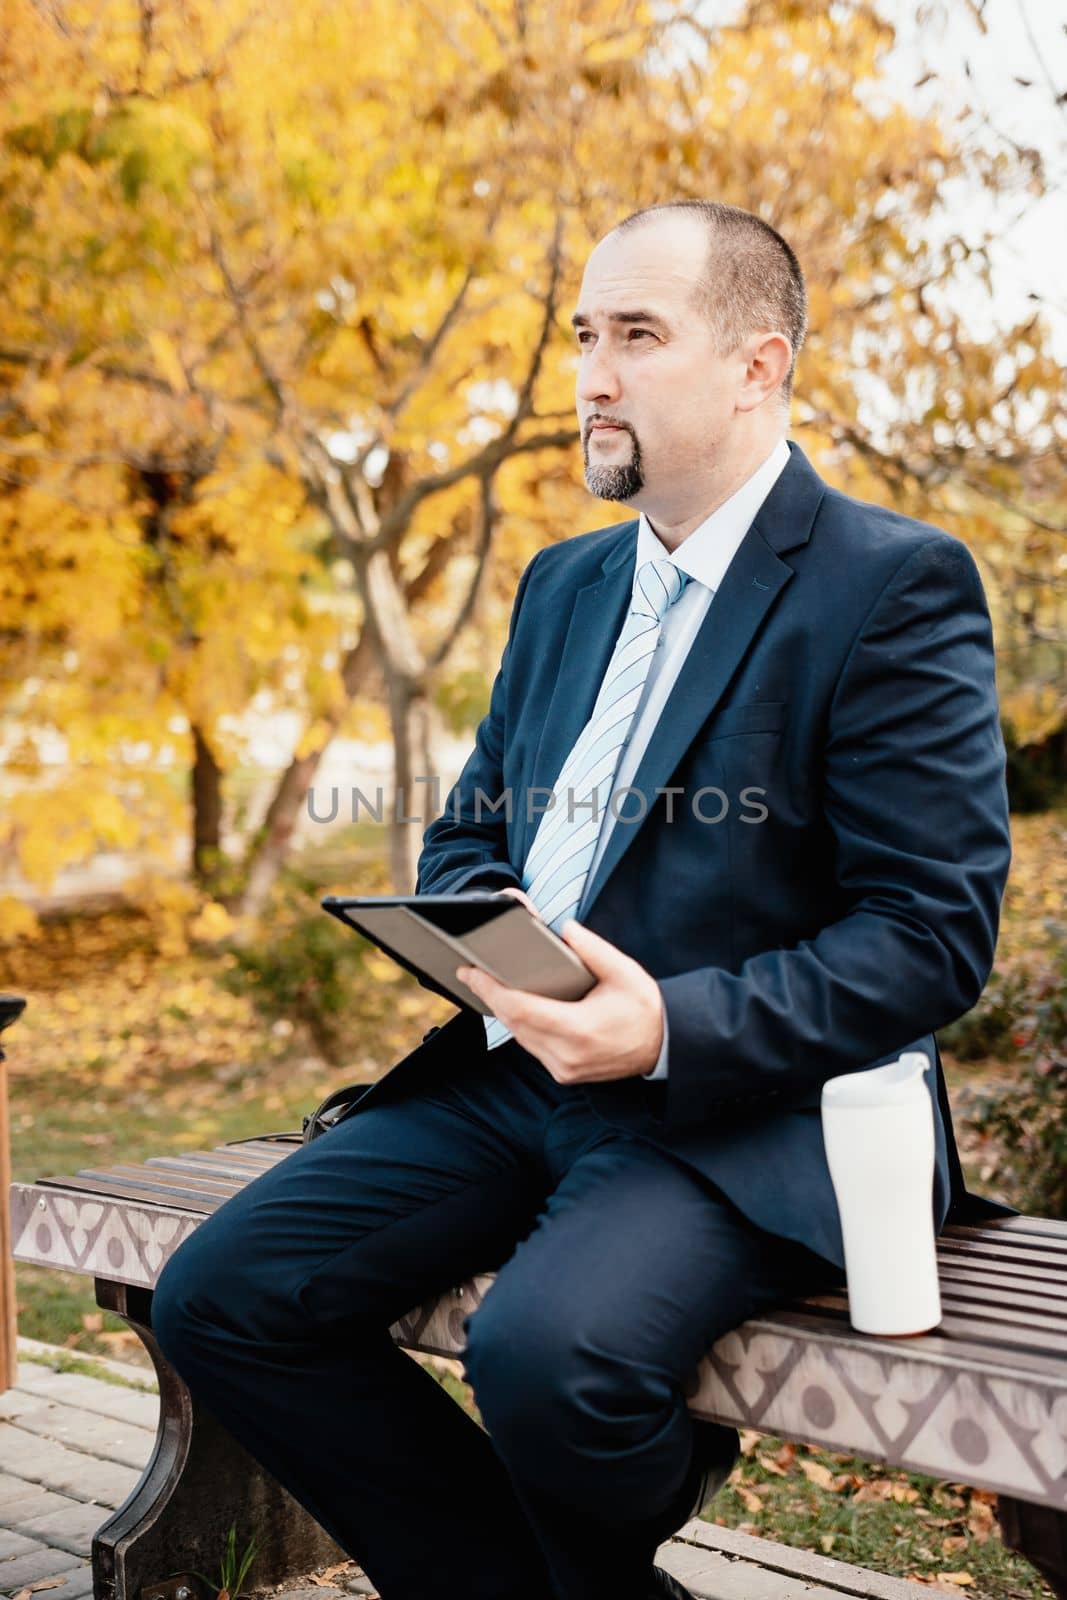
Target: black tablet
x=431, y=935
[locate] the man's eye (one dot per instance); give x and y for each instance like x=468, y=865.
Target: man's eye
x=586, y=337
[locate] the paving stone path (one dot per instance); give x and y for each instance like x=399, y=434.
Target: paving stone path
x=72, y=1447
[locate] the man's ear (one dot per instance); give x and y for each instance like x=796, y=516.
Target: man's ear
x=769, y=356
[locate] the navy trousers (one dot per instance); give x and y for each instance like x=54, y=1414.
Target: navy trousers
x=617, y=1266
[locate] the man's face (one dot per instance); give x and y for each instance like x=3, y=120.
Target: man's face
x=655, y=400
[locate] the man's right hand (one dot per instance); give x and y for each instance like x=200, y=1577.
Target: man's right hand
x=520, y=894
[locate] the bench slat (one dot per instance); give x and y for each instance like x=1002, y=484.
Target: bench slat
x=201, y=1203
x=194, y=1183
x=1022, y=1275
x=205, y=1167
x=1023, y=1252
x=949, y=1351
x=1048, y=1226
x=1006, y=1332
x=229, y=1159
x=1040, y=1294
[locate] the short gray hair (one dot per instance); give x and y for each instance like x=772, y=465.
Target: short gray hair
x=752, y=279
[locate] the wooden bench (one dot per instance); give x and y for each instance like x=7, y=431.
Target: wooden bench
x=982, y=1401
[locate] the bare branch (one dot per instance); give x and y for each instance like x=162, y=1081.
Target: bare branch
x=551, y=416
x=548, y=318
x=486, y=459
x=237, y=297
x=395, y=408
x=38, y=358
x=52, y=13
x=486, y=524
x=148, y=21
x=1059, y=96
x=930, y=474
x=343, y=495
x=429, y=350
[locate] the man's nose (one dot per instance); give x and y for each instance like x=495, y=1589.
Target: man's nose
x=597, y=376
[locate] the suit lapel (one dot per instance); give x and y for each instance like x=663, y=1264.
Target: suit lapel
x=750, y=589
x=753, y=582
x=599, y=612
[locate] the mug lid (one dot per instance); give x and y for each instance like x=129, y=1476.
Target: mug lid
x=895, y=1083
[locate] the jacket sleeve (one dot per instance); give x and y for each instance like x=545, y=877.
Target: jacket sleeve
x=915, y=796
x=466, y=847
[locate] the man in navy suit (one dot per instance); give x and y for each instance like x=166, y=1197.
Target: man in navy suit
x=802, y=878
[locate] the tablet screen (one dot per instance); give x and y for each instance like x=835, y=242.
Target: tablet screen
x=461, y=916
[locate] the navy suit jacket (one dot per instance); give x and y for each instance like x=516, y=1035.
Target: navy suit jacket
x=845, y=669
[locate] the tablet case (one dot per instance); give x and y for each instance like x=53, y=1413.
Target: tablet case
x=511, y=944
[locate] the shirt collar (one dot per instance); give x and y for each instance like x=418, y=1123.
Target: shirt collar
x=706, y=553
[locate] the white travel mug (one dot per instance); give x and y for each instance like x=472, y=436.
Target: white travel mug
x=878, y=1127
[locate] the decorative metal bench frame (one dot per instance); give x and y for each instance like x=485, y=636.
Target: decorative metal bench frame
x=981, y=1401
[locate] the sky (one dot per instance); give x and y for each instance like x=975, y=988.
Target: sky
x=1024, y=39
x=940, y=40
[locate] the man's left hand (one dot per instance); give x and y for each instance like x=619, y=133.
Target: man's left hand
x=614, y=1031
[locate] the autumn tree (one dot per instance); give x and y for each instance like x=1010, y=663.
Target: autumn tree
x=288, y=380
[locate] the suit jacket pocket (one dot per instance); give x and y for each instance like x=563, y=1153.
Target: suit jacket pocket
x=754, y=716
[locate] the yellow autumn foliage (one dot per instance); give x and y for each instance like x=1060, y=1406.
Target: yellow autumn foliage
x=276, y=278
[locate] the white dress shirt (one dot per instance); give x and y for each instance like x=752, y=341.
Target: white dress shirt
x=705, y=555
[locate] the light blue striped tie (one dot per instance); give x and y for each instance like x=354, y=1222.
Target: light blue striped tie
x=563, y=849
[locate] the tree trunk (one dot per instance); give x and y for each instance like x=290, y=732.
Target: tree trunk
x=387, y=641
x=273, y=838
x=271, y=844
x=413, y=721
x=207, y=812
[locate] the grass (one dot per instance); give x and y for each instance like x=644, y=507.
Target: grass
x=131, y=1045
x=84, y=1367
x=893, y=1522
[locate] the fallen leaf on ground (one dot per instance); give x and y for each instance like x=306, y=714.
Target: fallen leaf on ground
x=816, y=1473
x=981, y=1521
x=935, y=1584
x=770, y=1465
x=34, y=1588
x=886, y=1489
x=960, y=1579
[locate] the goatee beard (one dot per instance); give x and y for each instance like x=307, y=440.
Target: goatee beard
x=618, y=482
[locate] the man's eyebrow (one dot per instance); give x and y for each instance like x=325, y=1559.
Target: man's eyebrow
x=625, y=318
